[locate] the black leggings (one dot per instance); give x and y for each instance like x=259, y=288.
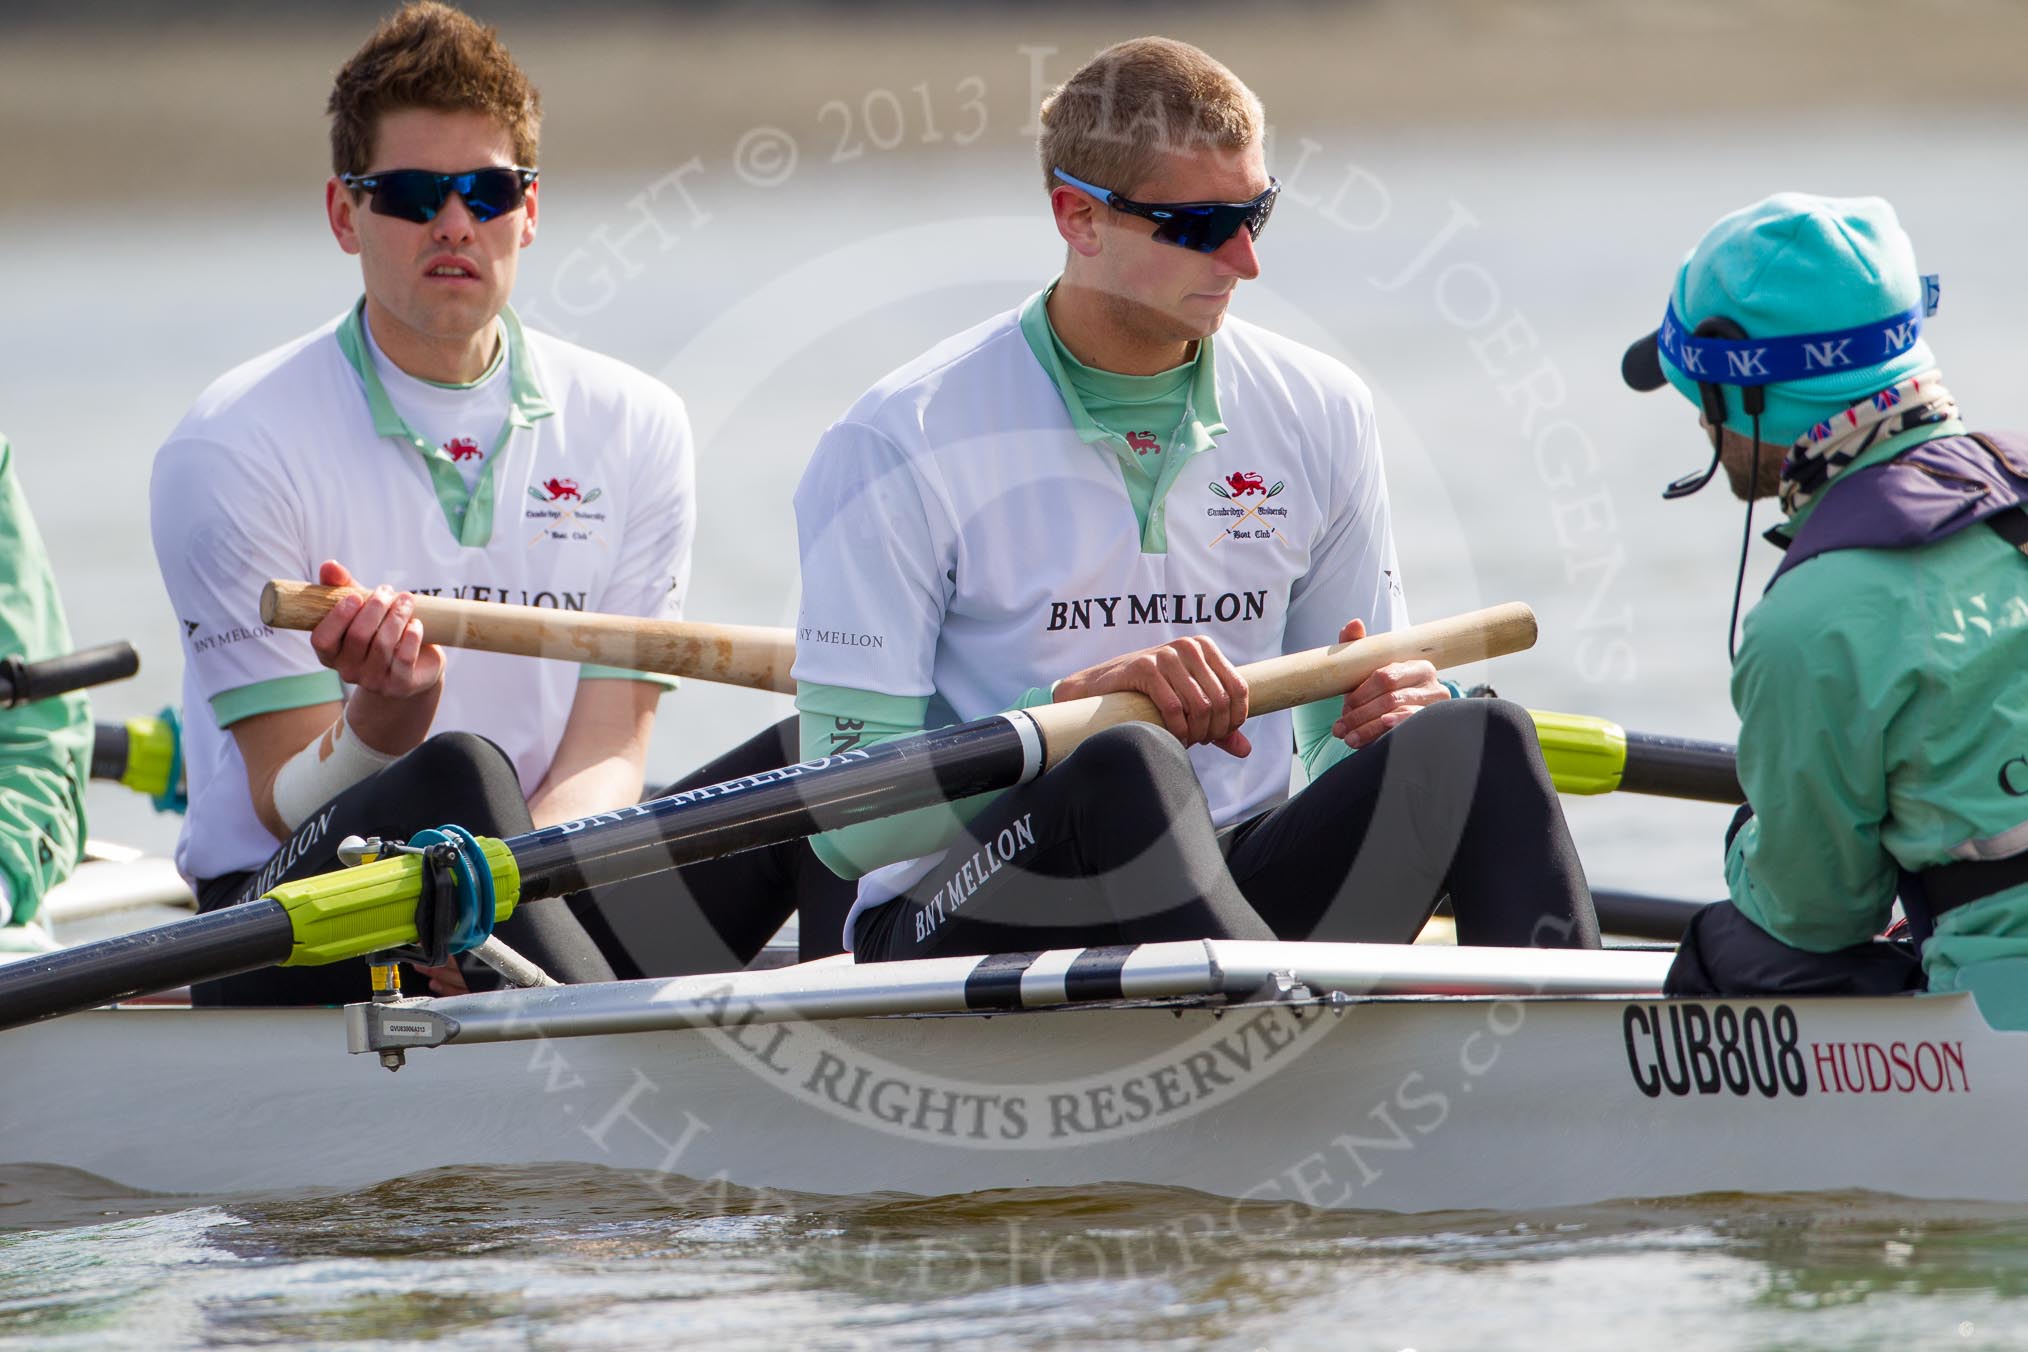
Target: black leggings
x=703, y=917
x=1115, y=846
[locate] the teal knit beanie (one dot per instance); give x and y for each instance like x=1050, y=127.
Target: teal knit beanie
x=1789, y=265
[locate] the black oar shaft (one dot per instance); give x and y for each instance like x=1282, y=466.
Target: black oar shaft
x=1680, y=767
x=765, y=809
x=22, y=682
x=201, y=948
x=110, y=747
x=702, y=823
x=1636, y=915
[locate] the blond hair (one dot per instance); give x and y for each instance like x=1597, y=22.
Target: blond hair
x=1111, y=123
x=432, y=56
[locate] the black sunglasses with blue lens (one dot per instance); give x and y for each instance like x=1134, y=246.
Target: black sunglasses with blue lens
x=1203, y=226
x=418, y=195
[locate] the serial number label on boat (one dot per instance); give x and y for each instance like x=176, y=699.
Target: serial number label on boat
x=1687, y=1048
x=408, y=1029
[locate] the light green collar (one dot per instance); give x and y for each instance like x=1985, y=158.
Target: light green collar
x=1058, y=362
x=492, y=367
x=1198, y=434
x=468, y=511
x=1094, y=383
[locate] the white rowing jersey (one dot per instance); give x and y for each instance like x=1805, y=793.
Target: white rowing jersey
x=578, y=495
x=960, y=540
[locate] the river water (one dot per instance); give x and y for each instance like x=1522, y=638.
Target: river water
x=465, y=1259
x=1483, y=283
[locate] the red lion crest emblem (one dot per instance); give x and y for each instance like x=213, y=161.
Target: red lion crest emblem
x=463, y=448
x=1242, y=483
x=567, y=488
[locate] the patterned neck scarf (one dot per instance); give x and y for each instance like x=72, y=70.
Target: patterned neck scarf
x=1826, y=449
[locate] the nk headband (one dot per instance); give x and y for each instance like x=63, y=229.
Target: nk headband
x=1764, y=361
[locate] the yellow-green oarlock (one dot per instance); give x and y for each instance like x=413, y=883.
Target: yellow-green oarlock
x=357, y=911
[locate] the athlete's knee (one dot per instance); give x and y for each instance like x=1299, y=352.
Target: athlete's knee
x=1506, y=724
x=1133, y=753
x=457, y=755
x=469, y=781
x=1499, y=730
x=1134, y=770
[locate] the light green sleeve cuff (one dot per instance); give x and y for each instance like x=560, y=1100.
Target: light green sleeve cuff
x=1316, y=748
x=284, y=692
x=1034, y=698
x=588, y=672
x=835, y=719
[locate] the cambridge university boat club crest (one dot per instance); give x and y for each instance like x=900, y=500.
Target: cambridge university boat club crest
x=1247, y=521
x=563, y=514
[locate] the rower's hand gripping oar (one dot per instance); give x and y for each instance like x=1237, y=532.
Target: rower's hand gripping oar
x=731, y=654
x=1302, y=678
x=373, y=908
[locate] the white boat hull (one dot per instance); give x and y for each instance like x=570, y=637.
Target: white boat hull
x=1392, y=1103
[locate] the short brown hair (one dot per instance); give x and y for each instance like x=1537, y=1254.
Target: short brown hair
x=429, y=55
x=1112, y=121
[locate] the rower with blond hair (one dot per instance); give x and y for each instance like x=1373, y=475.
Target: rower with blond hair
x=1116, y=487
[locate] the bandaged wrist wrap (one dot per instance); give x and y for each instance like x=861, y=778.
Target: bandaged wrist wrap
x=323, y=770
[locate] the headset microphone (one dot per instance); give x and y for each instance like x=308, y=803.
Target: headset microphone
x=1712, y=395
x=1753, y=402
x=1691, y=482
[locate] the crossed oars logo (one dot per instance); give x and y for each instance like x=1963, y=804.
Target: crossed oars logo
x=558, y=489
x=1251, y=513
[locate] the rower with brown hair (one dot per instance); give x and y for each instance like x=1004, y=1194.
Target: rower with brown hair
x=433, y=444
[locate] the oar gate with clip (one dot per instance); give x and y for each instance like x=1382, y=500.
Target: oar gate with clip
x=375, y=907
x=1589, y=755
x=146, y=755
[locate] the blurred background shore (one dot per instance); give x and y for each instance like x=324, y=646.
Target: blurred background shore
x=121, y=102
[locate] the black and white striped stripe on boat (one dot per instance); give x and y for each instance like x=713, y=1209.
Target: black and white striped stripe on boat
x=1002, y=983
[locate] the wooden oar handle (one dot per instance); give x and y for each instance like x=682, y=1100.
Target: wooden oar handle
x=1299, y=678
x=732, y=654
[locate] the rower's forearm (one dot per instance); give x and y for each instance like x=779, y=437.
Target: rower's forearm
x=852, y=852
x=615, y=781
x=834, y=719
x=390, y=726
